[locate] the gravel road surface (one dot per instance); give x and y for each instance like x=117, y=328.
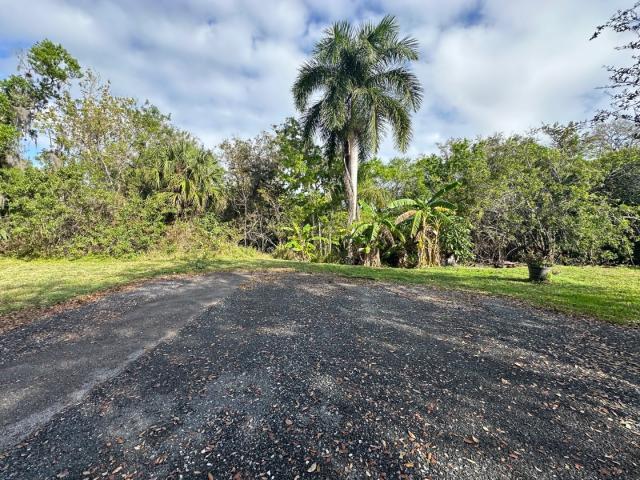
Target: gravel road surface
x=287, y=375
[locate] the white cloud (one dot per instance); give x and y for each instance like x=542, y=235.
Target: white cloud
x=524, y=67
x=226, y=67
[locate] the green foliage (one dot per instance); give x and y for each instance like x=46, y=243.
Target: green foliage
x=96, y=130
x=620, y=170
x=375, y=232
x=9, y=136
x=364, y=86
x=192, y=175
x=58, y=214
x=47, y=68
x=200, y=235
x=524, y=198
x=428, y=216
x=455, y=239
x=302, y=242
x=51, y=65
x=119, y=179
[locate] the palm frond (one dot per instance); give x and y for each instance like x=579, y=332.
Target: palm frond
x=337, y=38
x=312, y=75
x=366, y=208
x=403, y=50
x=311, y=121
x=399, y=120
x=402, y=83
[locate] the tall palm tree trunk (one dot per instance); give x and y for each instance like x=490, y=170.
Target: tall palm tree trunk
x=351, y=176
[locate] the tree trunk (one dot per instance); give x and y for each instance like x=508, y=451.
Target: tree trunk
x=372, y=259
x=351, y=176
x=428, y=249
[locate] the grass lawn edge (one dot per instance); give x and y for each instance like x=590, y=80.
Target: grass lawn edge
x=486, y=281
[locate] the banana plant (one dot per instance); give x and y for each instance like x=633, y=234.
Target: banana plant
x=427, y=215
x=376, y=231
x=302, y=241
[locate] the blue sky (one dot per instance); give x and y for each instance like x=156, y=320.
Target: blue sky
x=225, y=67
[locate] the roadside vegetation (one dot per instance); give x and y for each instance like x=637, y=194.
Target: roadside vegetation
x=606, y=293
x=117, y=180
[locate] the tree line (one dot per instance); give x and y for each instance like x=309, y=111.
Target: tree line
x=116, y=177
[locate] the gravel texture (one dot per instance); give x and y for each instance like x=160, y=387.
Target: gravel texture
x=47, y=365
x=300, y=376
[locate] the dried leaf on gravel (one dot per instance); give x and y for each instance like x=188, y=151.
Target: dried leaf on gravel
x=471, y=440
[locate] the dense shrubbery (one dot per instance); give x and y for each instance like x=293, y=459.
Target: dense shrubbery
x=117, y=178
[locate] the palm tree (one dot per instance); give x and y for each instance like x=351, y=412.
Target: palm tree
x=375, y=232
x=355, y=86
x=190, y=173
x=428, y=214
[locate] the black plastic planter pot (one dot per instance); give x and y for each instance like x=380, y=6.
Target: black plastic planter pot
x=539, y=273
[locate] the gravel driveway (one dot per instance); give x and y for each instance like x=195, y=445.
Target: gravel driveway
x=301, y=376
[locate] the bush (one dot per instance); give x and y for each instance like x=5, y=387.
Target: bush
x=199, y=234
x=455, y=239
x=59, y=214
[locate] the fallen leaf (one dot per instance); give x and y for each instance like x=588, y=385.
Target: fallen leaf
x=313, y=468
x=471, y=440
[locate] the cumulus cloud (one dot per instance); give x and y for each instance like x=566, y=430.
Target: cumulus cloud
x=225, y=68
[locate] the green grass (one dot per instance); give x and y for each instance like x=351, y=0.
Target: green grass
x=611, y=294
x=42, y=283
